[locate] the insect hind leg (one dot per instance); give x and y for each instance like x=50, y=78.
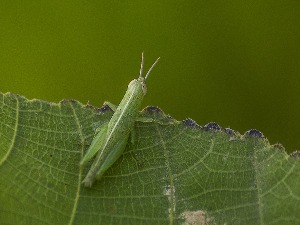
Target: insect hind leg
x=96, y=144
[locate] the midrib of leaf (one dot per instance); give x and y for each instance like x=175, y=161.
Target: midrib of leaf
x=171, y=177
x=80, y=168
x=13, y=141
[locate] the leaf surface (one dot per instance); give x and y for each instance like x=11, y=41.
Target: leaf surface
x=170, y=173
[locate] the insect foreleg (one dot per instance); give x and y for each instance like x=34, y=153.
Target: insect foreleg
x=112, y=106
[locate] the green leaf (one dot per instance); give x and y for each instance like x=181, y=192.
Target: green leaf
x=173, y=172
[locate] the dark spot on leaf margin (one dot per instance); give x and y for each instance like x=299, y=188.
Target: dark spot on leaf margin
x=190, y=123
x=212, y=126
x=254, y=133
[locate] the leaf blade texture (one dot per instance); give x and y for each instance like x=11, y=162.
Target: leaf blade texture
x=171, y=173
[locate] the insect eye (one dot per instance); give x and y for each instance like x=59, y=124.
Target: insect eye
x=144, y=88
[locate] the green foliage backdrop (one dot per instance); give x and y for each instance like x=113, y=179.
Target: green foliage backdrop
x=233, y=62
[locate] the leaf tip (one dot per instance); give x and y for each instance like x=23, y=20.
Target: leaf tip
x=278, y=146
x=295, y=154
x=157, y=114
x=190, y=123
x=229, y=131
x=254, y=133
x=212, y=126
x=153, y=110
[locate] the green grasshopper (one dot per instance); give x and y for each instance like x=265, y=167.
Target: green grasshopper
x=111, y=138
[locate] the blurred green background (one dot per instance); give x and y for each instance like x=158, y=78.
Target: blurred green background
x=233, y=62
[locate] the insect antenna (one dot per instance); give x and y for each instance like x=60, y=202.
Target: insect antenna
x=151, y=68
x=142, y=64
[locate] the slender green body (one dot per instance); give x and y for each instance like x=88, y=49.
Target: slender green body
x=111, y=139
